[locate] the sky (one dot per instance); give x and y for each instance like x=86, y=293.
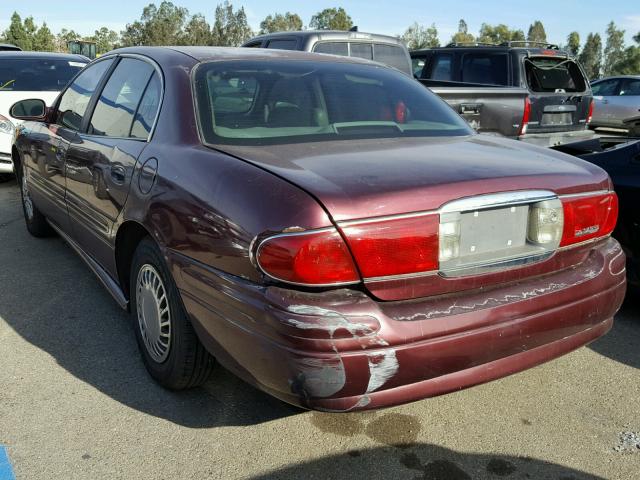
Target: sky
x=387, y=17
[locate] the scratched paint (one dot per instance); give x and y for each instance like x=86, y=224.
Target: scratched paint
x=382, y=366
x=322, y=377
x=6, y=472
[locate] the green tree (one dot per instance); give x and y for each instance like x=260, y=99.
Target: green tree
x=133, y=34
x=536, y=32
x=64, y=37
x=44, y=40
x=106, y=40
x=331, y=19
x=630, y=63
x=197, y=31
x=462, y=35
x=573, y=43
x=613, y=50
x=418, y=36
x=279, y=22
x=499, y=34
x=591, y=56
x=230, y=28
x=17, y=34
x=163, y=25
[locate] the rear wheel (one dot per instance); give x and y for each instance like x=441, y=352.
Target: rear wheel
x=37, y=224
x=170, y=349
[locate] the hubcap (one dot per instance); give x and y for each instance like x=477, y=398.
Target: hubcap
x=26, y=197
x=154, y=316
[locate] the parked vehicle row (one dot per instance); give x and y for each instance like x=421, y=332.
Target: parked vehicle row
x=26, y=75
x=616, y=99
x=323, y=226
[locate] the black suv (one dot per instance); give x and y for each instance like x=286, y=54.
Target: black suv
x=558, y=103
x=380, y=48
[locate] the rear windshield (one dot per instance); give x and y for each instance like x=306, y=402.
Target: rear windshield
x=552, y=74
x=37, y=75
x=253, y=103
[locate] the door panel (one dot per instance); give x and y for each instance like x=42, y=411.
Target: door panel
x=603, y=92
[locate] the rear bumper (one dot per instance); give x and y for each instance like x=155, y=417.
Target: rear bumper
x=556, y=138
x=343, y=351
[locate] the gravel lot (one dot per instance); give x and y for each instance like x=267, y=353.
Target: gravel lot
x=76, y=402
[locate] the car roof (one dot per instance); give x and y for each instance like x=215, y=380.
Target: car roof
x=205, y=54
x=9, y=54
x=616, y=77
x=479, y=47
x=330, y=35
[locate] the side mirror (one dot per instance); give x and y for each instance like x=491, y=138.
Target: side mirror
x=32, y=109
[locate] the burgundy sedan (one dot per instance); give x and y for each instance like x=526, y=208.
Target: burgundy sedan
x=325, y=227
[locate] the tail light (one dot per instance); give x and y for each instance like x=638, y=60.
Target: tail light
x=590, y=114
x=394, y=246
x=309, y=258
x=525, y=117
x=586, y=218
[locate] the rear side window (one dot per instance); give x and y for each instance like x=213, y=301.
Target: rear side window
x=552, y=74
x=332, y=48
x=148, y=109
x=75, y=99
x=485, y=68
x=391, y=55
x=283, y=44
x=605, y=88
x=630, y=86
x=441, y=69
x=117, y=105
x=362, y=50
x=36, y=74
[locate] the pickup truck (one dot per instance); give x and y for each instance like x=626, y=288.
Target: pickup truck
x=522, y=90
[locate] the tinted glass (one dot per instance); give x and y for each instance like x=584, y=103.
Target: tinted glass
x=393, y=56
x=232, y=93
x=315, y=101
x=362, y=50
x=441, y=69
x=75, y=99
x=485, y=68
x=116, y=107
x=417, y=63
x=37, y=75
x=148, y=109
x=551, y=74
x=283, y=44
x=605, y=88
x=332, y=48
x=630, y=87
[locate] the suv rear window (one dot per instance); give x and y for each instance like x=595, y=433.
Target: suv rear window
x=37, y=74
x=554, y=74
x=302, y=101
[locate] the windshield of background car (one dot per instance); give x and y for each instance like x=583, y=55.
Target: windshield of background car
x=37, y=74
x=554, y=74
x=267, y=102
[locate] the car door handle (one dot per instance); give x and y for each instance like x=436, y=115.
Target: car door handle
x=118, y=174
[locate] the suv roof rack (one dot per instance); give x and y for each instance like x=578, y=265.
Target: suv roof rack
x=471, y=44
x=527, y=43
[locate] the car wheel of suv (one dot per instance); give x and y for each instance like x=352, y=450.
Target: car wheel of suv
x=37, y=224
x=170, y=349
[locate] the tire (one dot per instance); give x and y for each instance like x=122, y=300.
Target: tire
x=170, y=349
x=37, y=224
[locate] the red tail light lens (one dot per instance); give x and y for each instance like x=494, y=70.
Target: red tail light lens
x=586, y=218
x=395, y=247
x=525, y=117
x=590, y=114
x=315, y=258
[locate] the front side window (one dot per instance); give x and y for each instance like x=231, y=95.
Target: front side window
x=630, y=86
x=75, y=99
x=303, y=101
x=118, y=102
x=37, y=74
x=485, y=68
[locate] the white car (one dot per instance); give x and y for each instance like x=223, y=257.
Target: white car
x=26, y=75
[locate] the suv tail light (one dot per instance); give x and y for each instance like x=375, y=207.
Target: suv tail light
x=525, y=117
x=590, y=114
x=586, y=218
x=397, y=246
x=313, y=258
